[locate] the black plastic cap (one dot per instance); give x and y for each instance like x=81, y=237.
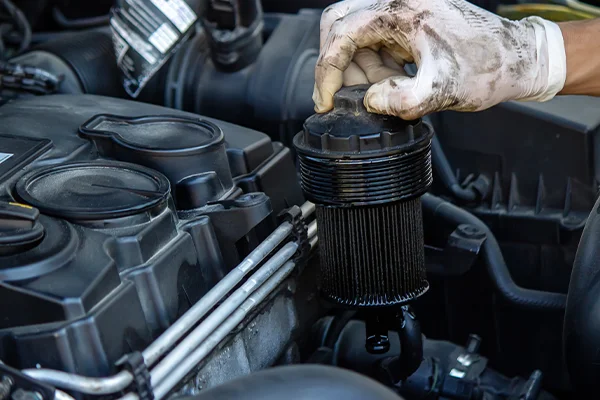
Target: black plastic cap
x=94, y=190
x=190, y=152
x=350, y=130
x=349, y=157
x=20, y=229
x=162, y=135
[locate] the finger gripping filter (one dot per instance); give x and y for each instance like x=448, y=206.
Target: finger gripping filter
x=366, y=173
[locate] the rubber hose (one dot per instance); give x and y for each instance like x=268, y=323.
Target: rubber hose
x=336, y=327
x=91, y=56
x=581, y=336
x=21, y=22
x=492, y=254
x=79, y=23
x=444, y=171
x=300, y=382
x=411, y=344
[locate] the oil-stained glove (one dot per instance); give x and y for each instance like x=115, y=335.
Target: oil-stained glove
x=468, y=59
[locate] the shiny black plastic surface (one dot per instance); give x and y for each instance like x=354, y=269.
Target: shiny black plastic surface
x=111, y=259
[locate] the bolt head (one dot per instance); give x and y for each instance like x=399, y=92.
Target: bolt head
x=377, y=344
x=470, y=232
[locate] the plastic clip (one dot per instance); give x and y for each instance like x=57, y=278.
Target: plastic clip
x=134, y=363
x=293, y=215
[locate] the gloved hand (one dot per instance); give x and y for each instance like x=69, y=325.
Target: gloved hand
x=468, y=59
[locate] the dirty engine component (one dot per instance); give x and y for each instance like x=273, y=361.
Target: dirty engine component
x=213, y=238
x=138, y=212
x=366, y=173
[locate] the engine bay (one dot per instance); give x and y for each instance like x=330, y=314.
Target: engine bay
x=182, y=225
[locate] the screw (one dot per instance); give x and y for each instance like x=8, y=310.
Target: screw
x=249, y=199
x=377, y=341
x=470, y=231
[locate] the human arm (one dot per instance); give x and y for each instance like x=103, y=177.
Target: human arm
x=468, y=59
x=582, y=49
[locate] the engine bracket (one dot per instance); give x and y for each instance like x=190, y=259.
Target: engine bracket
x=462, y=249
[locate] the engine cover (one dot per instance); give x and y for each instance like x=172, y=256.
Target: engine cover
x=116, y=217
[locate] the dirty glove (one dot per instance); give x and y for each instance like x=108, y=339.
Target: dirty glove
x=468, y=59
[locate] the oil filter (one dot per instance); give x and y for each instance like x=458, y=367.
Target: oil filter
x=366, y=173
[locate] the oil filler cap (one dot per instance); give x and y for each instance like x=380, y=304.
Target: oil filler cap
x=93, y=190
x=189, y=151
x=166, y=135
x=20, y=229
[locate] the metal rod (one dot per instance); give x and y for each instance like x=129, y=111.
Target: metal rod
x=314, y=241
x=118, y=382
x=60, y=395
x=195, y=357
x=165, y=341
x=307, y=209
x=82, y=384
x=130, y=396
x=176, y=356
x=312, y=229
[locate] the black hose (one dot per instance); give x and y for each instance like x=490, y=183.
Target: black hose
x=2, y=45
x=21, y=23
x=443, y=169
x=79, y=23
x=336, y=327
x=300, y=382
x=581, y=335
x=324, y=353
x=411, y=345
x=497, y=269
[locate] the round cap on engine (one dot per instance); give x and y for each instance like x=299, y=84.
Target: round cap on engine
x=189, y=151
x=94, y=190
x=167, y=135
x=20, y=229
x=351, y=130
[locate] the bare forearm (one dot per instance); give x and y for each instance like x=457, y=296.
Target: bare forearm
x=582, y=48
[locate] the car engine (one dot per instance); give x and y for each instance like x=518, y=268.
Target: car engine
x=176, y=222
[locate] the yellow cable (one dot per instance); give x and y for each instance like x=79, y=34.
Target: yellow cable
x=551, y=12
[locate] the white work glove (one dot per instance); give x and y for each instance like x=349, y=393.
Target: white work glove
x=468, y=59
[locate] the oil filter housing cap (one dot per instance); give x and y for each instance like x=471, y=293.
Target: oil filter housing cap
x=365, y=173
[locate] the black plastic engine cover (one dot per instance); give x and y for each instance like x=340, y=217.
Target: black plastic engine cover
x=542, y=162
x=109, y=262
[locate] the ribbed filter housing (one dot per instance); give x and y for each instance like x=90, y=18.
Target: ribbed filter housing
x=366, y=174
x=372, y=256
